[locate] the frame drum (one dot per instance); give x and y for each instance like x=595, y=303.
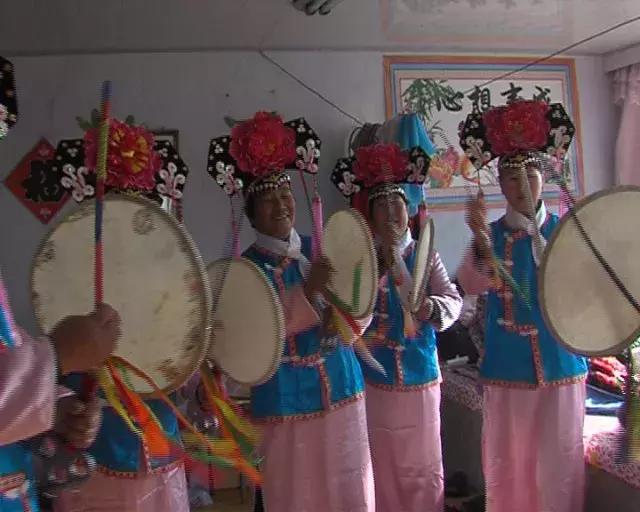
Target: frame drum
x=424, y=252
x=248, y=324
x=580, y=303
x=348, y=244
x=153, y=276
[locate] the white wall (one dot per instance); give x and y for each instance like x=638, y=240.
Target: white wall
x=621, y=58
x=192, y=92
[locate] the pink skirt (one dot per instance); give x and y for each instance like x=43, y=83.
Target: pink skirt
x=319, y=465
x=533, y=453
x=160, y=492
x=404, y=432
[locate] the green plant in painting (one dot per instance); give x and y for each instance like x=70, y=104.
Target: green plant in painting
x=426, y=96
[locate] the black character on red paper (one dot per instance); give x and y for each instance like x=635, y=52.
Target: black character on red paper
x=43, y=183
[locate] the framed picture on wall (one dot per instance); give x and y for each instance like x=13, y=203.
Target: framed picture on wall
x=444, y=89
x=168, y=135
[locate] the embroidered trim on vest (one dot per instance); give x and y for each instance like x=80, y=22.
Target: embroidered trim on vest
x=406, y=388
x=277, y=276
x=308, y=416
x=508, y=323
x=316, y=359
x=526, y=385
x=399, y=370
x=326, y=386
x=381, y=336
x=134, y=475
x=16, y=483
x=146, y=459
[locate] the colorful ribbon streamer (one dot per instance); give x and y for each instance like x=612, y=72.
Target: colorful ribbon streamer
x=150, y=427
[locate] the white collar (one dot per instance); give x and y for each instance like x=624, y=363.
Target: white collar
x=405, y=241
x=291, y=248
x=515, y=220
x=402, y=244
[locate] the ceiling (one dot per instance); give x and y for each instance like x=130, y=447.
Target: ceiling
x=526, y=26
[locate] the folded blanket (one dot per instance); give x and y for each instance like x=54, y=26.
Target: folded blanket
x=602, y=403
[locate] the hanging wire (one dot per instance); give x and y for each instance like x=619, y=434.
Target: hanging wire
x=557, y=52
x=507, y=74
x=309, y=88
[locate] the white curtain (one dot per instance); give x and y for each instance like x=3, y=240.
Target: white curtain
x=626, y=94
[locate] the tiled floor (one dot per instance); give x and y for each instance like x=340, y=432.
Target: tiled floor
x=229, y=501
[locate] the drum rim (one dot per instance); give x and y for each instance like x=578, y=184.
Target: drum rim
x=358, y=217
x=422, y=291
x=581, y=203
x=280, y=336
x=200, y=270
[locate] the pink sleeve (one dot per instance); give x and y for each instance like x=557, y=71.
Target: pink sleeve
x=447, y=303
x=470, y=277
x=298, y=312
x=28, y=390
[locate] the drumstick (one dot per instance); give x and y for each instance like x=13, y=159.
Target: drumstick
x=90, y=384
x=498, y=267
x=315, y=212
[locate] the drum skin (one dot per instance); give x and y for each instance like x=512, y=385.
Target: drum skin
x=424, y=253
x=580, y=303
x=153, y=276
x=348, y=245
x=248, y=322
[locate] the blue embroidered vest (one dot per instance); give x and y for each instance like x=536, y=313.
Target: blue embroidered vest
x=17, y=487
x=307, y=382
x=119, y=451
x=410, y=362
x=519, y=349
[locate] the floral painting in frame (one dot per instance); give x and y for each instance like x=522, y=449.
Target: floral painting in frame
x=445, y=89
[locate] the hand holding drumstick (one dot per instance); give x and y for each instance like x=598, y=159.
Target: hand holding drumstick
x=476, y=217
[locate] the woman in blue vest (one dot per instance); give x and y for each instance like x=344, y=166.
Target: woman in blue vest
x=29, y=370
x=128, y=478
x=315, y=446
x=29, y=402
x=403, y=405
x=534, y=391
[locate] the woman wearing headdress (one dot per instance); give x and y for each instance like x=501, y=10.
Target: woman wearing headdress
x=315, y=446
x=30, y=401
x=403, y=404
x=130, y=476
x=534, y=391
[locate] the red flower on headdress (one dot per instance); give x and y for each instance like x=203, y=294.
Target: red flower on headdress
x=131, y=160
x=263, y=144
x=519, y=126
x=380, y=163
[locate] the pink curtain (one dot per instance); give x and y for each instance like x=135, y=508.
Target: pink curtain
x=626, y=94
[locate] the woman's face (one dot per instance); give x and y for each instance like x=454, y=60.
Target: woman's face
x=274, y=212
x=389, y=217
x=512, y=183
